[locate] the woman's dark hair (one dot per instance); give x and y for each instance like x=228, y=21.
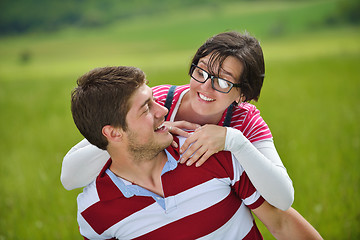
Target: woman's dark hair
x=246, y=49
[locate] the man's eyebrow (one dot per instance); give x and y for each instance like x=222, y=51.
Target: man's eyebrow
x=148, y=100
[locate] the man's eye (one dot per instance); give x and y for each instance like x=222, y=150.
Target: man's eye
x=147, y=108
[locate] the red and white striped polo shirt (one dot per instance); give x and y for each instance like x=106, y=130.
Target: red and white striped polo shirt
x=211, y=202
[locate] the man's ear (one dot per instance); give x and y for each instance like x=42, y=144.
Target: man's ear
x=112, y=133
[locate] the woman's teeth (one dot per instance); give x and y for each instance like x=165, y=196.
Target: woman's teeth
x=206, y=98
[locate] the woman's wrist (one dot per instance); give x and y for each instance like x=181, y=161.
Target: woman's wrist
x=234, y=139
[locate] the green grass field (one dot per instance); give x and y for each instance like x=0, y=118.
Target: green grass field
x=309, y=99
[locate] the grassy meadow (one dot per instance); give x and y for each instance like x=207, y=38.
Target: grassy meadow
x=309, y=99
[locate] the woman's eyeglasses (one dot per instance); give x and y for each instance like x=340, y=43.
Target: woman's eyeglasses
x=218, y=84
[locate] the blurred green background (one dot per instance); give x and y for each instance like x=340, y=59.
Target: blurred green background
x=310, y=96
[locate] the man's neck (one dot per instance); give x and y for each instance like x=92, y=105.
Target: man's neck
x=145, y=172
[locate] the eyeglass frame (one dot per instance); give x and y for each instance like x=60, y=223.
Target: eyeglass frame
x=212, y=77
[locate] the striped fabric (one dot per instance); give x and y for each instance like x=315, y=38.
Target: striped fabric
x=211, y=202
x=245, y=118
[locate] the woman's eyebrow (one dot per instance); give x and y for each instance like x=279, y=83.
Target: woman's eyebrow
x=222, y=70
x=202, y=61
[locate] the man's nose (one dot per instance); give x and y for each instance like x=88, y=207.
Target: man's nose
x=161, y=111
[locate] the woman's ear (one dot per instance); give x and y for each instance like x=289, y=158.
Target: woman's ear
x=240, y=99
x=112, y=134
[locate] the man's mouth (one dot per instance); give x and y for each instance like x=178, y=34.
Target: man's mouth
x=205, y=98
x=159, y=128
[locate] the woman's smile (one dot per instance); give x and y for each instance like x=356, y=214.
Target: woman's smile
x=205, y=98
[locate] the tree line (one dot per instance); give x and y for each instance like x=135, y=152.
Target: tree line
x=22, y=16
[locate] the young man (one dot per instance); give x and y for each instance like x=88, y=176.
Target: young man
x=143, y=192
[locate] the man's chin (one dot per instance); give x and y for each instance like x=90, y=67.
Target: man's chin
x=168, y=141
x=168, y=144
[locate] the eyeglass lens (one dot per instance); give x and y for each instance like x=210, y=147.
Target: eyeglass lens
x=218, y=84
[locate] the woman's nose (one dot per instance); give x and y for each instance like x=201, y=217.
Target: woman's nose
x=207, y=85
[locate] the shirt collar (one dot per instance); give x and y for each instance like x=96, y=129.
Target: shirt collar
x=128, y=189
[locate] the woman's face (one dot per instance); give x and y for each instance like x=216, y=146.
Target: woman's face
x=204, y=99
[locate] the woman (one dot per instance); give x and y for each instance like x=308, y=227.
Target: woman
x=226, y=72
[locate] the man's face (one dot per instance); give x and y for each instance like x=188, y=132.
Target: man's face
x=146, y=134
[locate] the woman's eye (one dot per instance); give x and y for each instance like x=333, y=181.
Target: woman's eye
x=205, y=75
x=199, y=72
x=223, y=83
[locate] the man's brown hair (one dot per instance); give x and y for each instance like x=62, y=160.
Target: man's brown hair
x=102, y=98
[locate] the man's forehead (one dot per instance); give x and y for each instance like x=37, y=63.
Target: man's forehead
x=140, y=96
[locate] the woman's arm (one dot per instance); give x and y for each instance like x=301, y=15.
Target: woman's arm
x=286, y=224
x=263, y=166
x=82, y=164
x=259, y=159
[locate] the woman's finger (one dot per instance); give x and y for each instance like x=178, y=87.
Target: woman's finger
x=203, y=158
x=200, y=152
x=179, y=131
x=186, y=125
x=174, y=144
x=189, y=152
x=189, y=141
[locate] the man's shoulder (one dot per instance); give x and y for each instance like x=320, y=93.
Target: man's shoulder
x=224, y=158
x=101, y=189
x=88, y=197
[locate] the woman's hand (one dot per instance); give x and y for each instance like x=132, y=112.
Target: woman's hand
x=177, y=128
x=206, y=141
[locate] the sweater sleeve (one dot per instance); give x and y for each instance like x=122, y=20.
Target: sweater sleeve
x=82, y=164
x=263, y=166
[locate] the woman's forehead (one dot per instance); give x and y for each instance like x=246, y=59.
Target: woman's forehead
x=229, y=66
